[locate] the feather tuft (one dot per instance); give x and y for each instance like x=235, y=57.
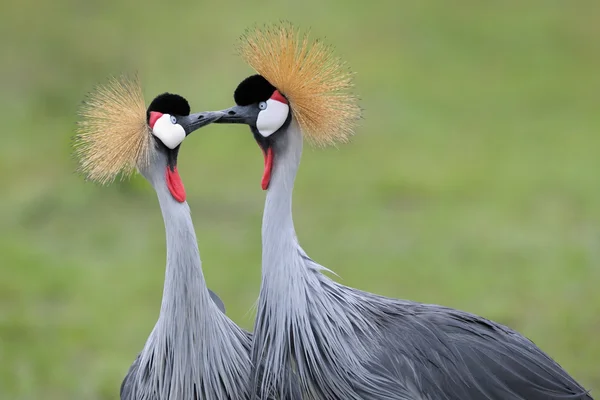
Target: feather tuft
x=316, y=82
x=112, y=134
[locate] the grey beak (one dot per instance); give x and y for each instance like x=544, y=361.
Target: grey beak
x=239, y=115
x=196, y=121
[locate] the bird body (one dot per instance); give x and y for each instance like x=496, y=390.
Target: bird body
x=194, y=351
x=329, y=340
x=337, y=342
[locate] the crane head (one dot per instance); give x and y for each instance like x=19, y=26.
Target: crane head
x=261, y=106
x=296, y=79
x=117, y=134
x=169, y=119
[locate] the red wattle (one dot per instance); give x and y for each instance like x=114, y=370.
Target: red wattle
x=175, y=185
x=268, y=167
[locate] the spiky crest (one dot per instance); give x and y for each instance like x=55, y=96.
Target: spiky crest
x=316, y=82
x=112, y=134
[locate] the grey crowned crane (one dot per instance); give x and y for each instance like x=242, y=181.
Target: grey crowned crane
x=335, y=341
x=194, y=351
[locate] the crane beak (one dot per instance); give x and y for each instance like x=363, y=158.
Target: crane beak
x=239, y=115
x=196, y=121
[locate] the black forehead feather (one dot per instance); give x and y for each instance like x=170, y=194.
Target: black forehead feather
x=169, y=103
x=252, y=90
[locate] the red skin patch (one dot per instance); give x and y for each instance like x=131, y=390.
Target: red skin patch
x=278, y=97
x=154, y=116
x=268, y=167
x=175, y=184
x=266, y=179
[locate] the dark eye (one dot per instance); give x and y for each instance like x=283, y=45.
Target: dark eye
x=262, y=105
x=173, y=120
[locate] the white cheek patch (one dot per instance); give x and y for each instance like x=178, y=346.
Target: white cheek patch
x=171, y=135
x=272, y=118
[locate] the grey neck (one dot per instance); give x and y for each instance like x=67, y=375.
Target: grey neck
x=290, y=285
x=278, y=233
x=184, y=282
x=194, y=350
x=301, y=312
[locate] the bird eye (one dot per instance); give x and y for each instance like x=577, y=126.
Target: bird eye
x=262, y=105
x=173, y=120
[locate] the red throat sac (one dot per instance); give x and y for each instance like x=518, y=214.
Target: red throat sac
x=268, y=167
x=175, y=185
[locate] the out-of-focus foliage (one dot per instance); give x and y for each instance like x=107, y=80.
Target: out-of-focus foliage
x=472, y=182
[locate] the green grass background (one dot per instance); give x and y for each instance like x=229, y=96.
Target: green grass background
x=472, y=182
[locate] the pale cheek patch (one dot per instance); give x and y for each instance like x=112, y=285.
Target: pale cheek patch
x=171, y=135
x=272, y=118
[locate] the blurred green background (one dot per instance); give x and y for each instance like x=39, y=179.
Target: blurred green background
x=472, y=182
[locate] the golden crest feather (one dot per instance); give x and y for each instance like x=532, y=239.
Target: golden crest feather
x=316, y=82
x=112, y=135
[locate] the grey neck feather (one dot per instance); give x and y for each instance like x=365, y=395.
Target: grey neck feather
x=280, y=270
x=184, y=280
x=278, y=233
x=296, y=341
x=194, y=350
x=334, y=342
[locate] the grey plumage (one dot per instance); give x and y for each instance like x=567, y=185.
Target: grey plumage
x=217, y=300
x=337, y=342
x=194, y=350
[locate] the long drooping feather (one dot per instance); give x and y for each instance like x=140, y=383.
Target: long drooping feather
x=336, y=342
x=349, y=344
